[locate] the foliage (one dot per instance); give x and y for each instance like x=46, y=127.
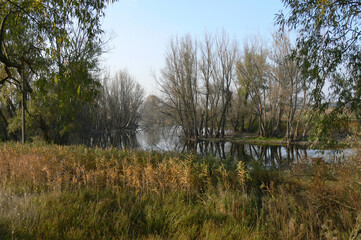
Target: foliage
x=328, y=47
x=328, y=128
x=54, y=48
x=61, y=101
x=49, y=22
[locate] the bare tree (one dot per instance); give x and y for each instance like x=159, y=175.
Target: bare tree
x=205, y=66
x=120, y=104
x=179, y=84
x=253, y=69
x=197, y=83
x=224, y=71
x=293, y=87
x=209, y=85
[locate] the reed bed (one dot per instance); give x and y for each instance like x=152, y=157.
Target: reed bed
x=74, y=192
x=57, y=168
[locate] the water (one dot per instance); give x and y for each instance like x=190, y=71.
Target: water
x=170, y=139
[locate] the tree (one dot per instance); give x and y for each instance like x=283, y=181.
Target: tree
x=179, y=85
x=42, y=26
x=206, y=73
x=328, y=47
x=60, y=95
x=119, y=105
x=152, y=114
x=292, y=86
x=224, y=72
x=253, y=73
x=35, y=36
x=197, y=84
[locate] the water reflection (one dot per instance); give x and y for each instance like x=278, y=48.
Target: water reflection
x=269, y=156
x=118, y=140
x=169, y=139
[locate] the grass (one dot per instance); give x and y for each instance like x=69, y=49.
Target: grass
x=54, y=192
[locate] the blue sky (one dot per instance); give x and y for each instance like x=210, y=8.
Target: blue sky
x=142, y=29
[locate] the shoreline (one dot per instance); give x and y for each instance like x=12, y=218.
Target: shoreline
x=255, y=139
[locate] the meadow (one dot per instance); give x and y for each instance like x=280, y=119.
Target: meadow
x=75, y=192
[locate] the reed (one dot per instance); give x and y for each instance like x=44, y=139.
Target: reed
x=74, y=192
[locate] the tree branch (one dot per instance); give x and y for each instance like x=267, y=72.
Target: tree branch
x=3, y=58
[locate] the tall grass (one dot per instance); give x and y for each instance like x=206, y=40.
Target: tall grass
x=54, y=192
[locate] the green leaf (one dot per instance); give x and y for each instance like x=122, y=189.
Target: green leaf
x=78, y=91
x=56, y=79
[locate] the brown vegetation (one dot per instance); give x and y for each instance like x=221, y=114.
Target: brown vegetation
x=313, y=199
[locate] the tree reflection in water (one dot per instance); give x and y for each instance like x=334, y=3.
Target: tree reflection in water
x=119, y=140
x=169, y=139
x=269, y=156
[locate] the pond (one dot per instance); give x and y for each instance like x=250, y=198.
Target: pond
x=170, y=139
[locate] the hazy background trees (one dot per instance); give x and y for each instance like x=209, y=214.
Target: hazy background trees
x=152, y=114
x=119, y=105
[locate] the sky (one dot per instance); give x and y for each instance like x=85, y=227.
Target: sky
x=140, y=30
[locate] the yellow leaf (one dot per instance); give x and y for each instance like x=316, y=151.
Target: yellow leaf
x=78, y=91
x=56, y=79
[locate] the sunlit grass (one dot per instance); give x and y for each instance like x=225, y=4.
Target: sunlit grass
x=54, y=192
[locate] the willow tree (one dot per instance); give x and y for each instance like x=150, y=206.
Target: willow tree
x=293, y=89
x=35, y=37
x=329, y=50
x=120, y=105
x=179, y=85
x=254, y=75
x=206, y=76
x=225, y=72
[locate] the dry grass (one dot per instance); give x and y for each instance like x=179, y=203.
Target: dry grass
x=56, y=168
x=53, y=192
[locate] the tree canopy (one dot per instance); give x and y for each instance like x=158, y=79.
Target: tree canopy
x=328, y=45
x=329, y=52
x=53, y=47
x=42, y=28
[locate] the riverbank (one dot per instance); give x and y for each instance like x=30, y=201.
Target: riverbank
x=54, y=192
x=253, y=138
